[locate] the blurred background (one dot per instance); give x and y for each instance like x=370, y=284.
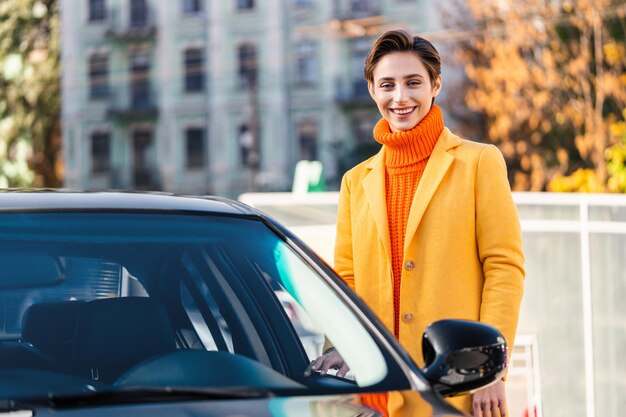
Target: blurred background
x=264, y=100
x=223, y=97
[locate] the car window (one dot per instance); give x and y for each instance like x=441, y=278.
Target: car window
x=83, y=279
x=330, y=313
x=113, y=300
x=201, y=326
x=310, y=335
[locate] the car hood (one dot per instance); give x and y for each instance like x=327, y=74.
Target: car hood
x=351, y=405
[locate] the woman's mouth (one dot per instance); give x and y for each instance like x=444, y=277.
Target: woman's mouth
x=403, y=112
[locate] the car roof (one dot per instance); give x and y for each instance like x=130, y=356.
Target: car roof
x=87, y=200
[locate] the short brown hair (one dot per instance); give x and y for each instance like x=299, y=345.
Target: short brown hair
x=401, y=41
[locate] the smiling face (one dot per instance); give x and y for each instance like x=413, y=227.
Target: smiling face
x=403, y=90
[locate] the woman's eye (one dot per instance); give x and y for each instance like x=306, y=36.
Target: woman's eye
x=386, y=86
x=414, y=83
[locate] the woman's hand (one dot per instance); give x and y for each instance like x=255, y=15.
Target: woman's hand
x=331, y=359
x=487, y=401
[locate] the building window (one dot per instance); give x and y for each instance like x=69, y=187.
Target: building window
x=245, y=4
x=97, y=10
x=247, y=65
x=144, y=172
x=192, y=6
x=364, y=5
x=195, y=147
x=359, y=49
x=303, y=3
x=100, y=152
x=307, y=138
x=140, y=80
x=194, y=70
x=138, y=13
x=307, y=63
x=362, y=125
x=98, y=76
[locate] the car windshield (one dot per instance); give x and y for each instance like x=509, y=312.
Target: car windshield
x=106, y=301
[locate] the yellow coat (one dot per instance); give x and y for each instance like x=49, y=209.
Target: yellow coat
x=462, y=252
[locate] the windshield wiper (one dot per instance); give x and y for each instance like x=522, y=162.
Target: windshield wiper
x=149, y=395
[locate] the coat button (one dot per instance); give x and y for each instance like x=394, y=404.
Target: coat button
x=409, y=265
x=407, y=317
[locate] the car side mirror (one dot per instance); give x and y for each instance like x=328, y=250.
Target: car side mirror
x=461, y=355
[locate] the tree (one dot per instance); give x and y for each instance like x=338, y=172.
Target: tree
x=30, y=104
x=586, y=180
x=616, y=158
x=549, y=78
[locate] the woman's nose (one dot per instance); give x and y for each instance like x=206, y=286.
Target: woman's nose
x=399, y=95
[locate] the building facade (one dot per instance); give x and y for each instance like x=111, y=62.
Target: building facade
x=221, y=97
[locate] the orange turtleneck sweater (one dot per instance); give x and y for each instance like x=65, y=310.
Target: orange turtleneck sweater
x=406, y=155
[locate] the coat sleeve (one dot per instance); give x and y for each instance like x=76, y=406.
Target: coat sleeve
x=499, y=241
x=344, y=265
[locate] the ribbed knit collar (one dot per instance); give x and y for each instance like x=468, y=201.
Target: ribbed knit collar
x=408, y=147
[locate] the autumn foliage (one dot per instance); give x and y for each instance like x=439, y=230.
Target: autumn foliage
x=550, y=79
x=586, y=180
x=30, y=94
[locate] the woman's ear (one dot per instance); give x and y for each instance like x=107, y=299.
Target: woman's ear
x=437, y=86
x=370, y=88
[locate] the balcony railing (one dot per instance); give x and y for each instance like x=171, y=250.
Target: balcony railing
x=133, y=104
x=137, y=26
x=358, y=9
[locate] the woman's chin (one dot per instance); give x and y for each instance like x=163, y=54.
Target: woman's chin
x=399, y=125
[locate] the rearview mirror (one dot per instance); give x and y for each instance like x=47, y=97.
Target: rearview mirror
x=461, y=355
x=29, y=270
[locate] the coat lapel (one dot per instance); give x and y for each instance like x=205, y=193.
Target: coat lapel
x=436, y=168
x=374, y=187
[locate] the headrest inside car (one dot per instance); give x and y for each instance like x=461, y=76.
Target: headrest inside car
x=51, y=326
x=116, y=333
x=50, y=322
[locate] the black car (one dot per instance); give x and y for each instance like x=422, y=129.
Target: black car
x=116, y=303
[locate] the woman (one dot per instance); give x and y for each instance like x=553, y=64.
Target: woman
x=428, y=224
